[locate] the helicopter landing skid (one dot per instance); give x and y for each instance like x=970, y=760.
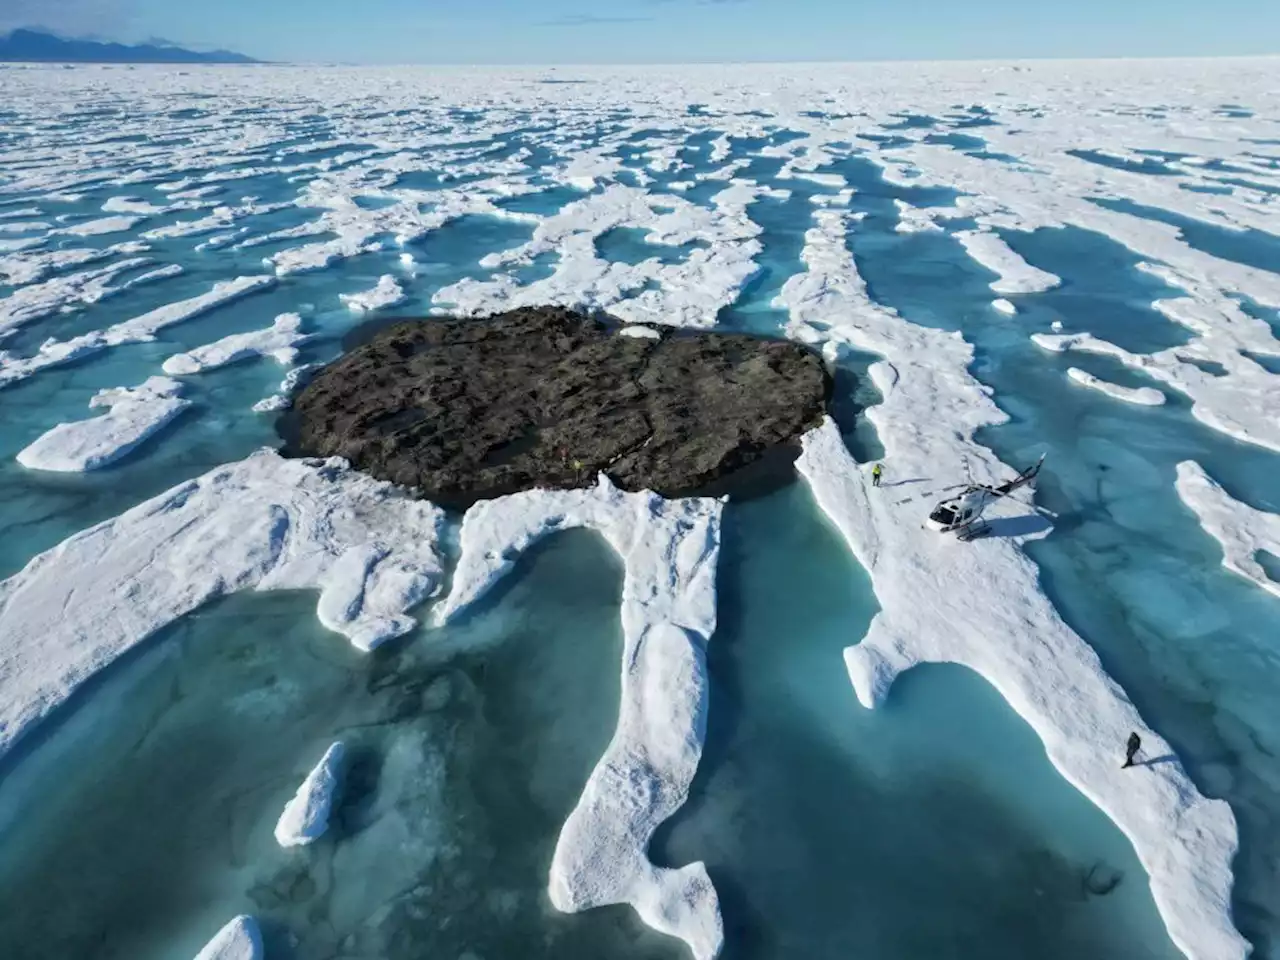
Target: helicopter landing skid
x=974, y=531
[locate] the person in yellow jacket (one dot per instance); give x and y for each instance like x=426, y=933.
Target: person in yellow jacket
x=876, y=473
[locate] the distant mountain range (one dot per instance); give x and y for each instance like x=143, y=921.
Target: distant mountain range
x=34, y=46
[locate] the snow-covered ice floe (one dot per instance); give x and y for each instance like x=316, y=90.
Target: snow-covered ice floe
x=140, y=329
x=306, y=816
x=1004, y=306
x=238, y=940
x=264, y=523
x=1239, y=528
x=670, y=549
x=387, y=293
x=1016, y=275
x=979, y=604
x=1145, y=396
x=279, y=341
x=133, y=414
x=1241, y=400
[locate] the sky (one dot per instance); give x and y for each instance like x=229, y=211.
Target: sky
x=669, y=31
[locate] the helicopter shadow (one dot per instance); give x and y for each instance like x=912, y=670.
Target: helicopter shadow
x=1026, y=525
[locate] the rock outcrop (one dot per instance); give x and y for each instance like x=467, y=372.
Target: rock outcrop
x=464, y=410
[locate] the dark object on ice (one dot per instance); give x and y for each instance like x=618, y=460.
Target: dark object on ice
x=1131, y=749
x=464, y=410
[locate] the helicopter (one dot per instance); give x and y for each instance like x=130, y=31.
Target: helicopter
x=962, y=514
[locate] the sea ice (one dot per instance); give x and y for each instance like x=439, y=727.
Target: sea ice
x=640, y=331
x=238, y=940
x=689, y=293
x=265, y=523
x=282, y=400
x=670, y=548
x=133, y=414
x=980, y=604
x=1146, y=396
x=137, y=330
x=1016, y=275
x=387, y=293
x=1243, y=402
x=96, y=228
x=279, y=341
x=1004, y=306
x=306, y=816
x=1239, y=528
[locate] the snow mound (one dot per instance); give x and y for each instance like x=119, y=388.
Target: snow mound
x=670, y=549
x=1016, y=275
x=278, y=341
x=264, y=523
x=1146, y=396
x=387, y=293
x=238, y=940
x=1239, y=528
x=133, y=415
x=306, y=816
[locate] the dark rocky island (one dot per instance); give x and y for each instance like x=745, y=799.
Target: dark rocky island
x=464, y=410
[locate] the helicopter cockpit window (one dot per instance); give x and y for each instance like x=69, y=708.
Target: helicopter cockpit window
x=944, y=515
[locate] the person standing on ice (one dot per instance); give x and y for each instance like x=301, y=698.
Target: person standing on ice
x=876, y=472
x=1131, y=750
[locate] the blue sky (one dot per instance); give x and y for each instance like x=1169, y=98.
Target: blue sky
x=634, y=31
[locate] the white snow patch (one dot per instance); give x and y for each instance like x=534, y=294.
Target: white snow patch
x=133, y=415
x=640, y=331
x=238, y=940
x=670, y=550
x=1004, y=306
x=1146, y=396
x=1239, y=528
x=279, y=341
x=306, y=816
x=265, y=523
x=1016, y=275
x=387, y=293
